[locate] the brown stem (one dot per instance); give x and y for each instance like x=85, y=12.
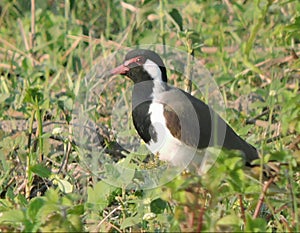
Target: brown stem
x=200, y=219
x=242, y=208
x=262, y=197
x=32, y=33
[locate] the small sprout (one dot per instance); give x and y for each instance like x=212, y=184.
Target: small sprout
x=149, y=216
x=272, y=93
x=57, y=131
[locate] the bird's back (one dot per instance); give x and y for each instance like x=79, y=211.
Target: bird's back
x=211, y=130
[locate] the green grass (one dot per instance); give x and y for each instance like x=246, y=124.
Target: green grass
x=49, y=182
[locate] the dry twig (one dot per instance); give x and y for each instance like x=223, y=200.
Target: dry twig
x=262, y=196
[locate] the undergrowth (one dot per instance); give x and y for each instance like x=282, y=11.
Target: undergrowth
x=47, y=48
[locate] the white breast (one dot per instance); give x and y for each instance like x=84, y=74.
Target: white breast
x=168, y=147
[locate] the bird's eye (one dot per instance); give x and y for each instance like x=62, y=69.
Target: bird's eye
x=139, y=60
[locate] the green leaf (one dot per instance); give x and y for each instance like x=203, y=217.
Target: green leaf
x=236, y=180
x=76, y=64
x=280, y=156
x=12, y=216
x=233, y=163
x=3, y=97
x=78, y=210
x=255, y=225
x=33, y=94
x=75, y=223
x=130, y=221
x=120, y=175
x=147, y=37
x=41, y=170
x=158, y=206
x=46, y=211
x=294, y=27
x=230, y=220
x=253, y=189
x=177, y=17
x=34, y=206
x=52, y=196
x=98, y=196
x=64, y=185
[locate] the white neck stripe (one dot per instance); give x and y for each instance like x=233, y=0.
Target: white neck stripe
x=153, y=70
x=155, y=73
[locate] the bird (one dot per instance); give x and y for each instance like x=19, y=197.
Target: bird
x=174, y=124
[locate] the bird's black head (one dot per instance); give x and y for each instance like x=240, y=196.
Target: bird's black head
x=142, y=65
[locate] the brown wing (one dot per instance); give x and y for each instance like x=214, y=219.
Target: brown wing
x=172, y=121
x=200, y=126
x=182, y=119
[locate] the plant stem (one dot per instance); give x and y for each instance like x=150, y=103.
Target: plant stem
x=107, y=29
x=189, y=73
x=28, y=179
x=32, y=34
x=255, y=29
x=67, y=9
x=294, y=208
x=162, y=26
x=40, y=131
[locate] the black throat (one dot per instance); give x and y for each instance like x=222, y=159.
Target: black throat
x=142, y=97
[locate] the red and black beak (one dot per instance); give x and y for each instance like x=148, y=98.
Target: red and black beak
x=122, y=69
x=125, y=67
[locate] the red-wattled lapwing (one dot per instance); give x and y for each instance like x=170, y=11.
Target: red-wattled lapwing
x=173, y=123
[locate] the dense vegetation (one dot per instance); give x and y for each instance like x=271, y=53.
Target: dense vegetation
x=49, y=182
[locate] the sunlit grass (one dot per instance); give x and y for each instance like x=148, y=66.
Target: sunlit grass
x=45, y=183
